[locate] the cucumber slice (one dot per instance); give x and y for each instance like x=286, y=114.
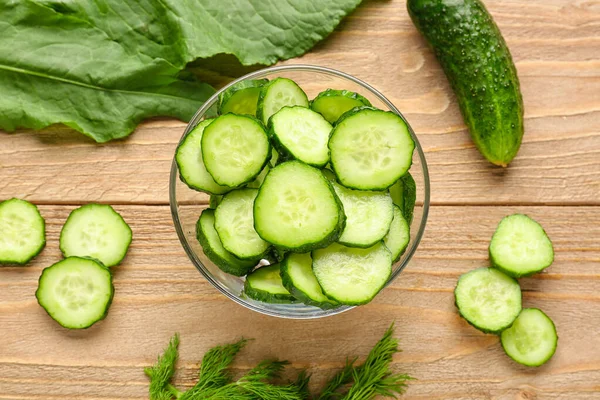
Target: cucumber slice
x=301, y=134
x=97, y=231
x=277, y=94
x=274, y=157
x=399, y=235
x=299, y=279
x=404, y=195
x=190, y=163
x=488, y=299
x=22, y=232
x=331, y=103
x=214, y=200
x=241, y=98
x=368, y=216
x=532, y=338
x=350, y=275
x=234, y=222
x=76, y=292
x=214, y=250
x=265, y=285
x=235, y=149
x=256, y=183
x=370, y=149
x=297, y=209
x=520, y=246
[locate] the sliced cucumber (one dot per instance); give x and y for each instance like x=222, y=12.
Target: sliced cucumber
x=274, y=157
x=241, y=98
x=350, y=275
x=370, y=149
x=297, y=209
x=190, y=163
x=488, y=299
x=76, y=292
x=532, y=338
x=302, y=134
x=22, y=232
x=299, y=279
x=404, y=195
x=265, y=285
x=235, y=149
x=331, y=103
x=214, y=201
x=97, y=231
x=399, y=235
x=256, y=183
x=277, y=94
x=329, y=174
x=520, y=246
x=214, y=250
x=368, y=216
x=234, y=222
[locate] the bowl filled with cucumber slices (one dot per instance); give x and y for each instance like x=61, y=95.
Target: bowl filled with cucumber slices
x=299, y=191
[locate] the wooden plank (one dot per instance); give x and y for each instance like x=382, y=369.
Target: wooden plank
x=556, y=47
x=159, y=292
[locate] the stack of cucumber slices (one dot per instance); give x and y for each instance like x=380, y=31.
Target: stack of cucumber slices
x=77, y=291
x=319, y=188
x=490, y=298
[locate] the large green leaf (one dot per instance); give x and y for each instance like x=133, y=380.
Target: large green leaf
x=102, y=66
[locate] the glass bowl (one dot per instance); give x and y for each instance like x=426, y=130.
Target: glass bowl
x=187, y=204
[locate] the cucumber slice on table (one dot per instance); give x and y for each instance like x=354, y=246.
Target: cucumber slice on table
x=214, y=250
x=368, y=216
x=350, y=275
x=265, y=285
x=297, y=209
x=22, y=232
x=234, y=222
x=235, y=148
x=404, y=195
x=488, y=299
x=299, y=279
x=97, y=231
x=520, y=246
x=76, y=292
x=370, y=149
x=399, y=235
x=190, y=163
x=277, y=94
x=532, y=338
x=302, y=134
x=241, y=98
x=331, y=103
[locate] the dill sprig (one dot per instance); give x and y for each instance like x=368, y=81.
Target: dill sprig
x=161, y=373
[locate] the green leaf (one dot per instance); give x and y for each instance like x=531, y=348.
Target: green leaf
x=161, y=373
x=102, y=66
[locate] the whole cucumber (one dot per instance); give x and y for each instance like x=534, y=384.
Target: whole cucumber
x=476, y=60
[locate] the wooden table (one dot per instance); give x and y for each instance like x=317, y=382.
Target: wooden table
x=555, y=179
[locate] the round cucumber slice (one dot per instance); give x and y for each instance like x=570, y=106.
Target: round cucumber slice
x=488, y=299
x=351, y=275
x=399, y=235
x=22, y=232
x=520, y=246
x=370, y=149
x=76, y=292
x=241, y=98
x=299, y=279
x=97, y=231
x=265, y=285
x=279, y=93
x=235, y=149
x=331, y=103
x=532, y=338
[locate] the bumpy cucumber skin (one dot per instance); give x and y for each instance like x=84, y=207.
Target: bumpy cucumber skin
x=247, y=84
x=410, y=197
x=83, y=209
x=241, y=269
x=42, y=245
x=478, y=64
x=108, y=304
x=263, y=94
x=545, y=360
x=482, y=329
x=339, y=93
x=299, y=294
x=510, y=272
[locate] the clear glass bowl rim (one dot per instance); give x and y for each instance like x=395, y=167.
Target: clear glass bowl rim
x=277, y=69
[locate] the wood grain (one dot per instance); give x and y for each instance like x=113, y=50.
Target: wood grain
x=159, y=292
x=555, y=179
